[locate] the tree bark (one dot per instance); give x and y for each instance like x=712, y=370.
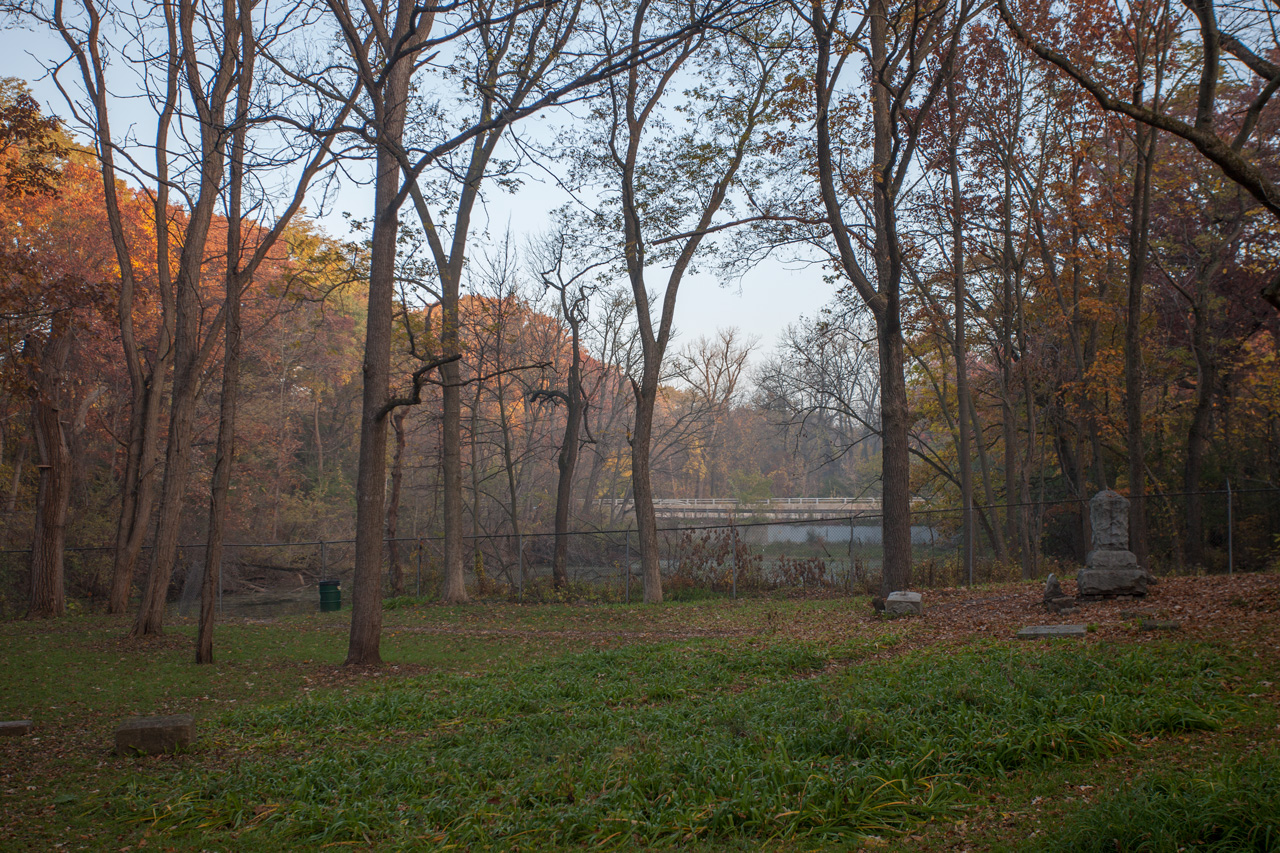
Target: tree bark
x=1139, y=231
x=960, y=350
x=188, y=355
x=234, y=281
x=393, y=503
x=567, y=462
x=366, y=594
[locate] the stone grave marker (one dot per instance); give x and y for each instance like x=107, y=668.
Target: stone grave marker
x=1111, y=568
x=904, y=603
x=153, y=735
x=1036, y=632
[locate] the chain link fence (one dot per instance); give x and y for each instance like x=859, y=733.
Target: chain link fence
x=745, y=557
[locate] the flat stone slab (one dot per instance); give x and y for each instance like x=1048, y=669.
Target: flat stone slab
x=154, y=735
x=1035, y=632
x=904, y=603
x=15, y=728
x=1160, y=625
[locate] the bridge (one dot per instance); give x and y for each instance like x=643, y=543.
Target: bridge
x=772, y=509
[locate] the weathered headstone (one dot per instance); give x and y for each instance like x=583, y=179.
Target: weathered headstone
x=1036, y=632
x=904, y=603
x=15, y=728
x=1111, y=568
x=1055, y=600
x=1160, y=625
x=152, y=735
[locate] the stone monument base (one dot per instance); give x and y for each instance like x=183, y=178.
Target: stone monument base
x=1106, y=582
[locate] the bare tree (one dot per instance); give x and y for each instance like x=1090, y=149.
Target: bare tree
x=713, y=368
x=636, y=142
x=573, y=292
x=896, y=41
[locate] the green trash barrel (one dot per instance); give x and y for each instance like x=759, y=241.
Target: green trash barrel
x=330, y=596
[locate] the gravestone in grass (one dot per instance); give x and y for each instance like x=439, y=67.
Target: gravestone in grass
x=15, y=728
x=1055, y=600
x=1037, y=632
x=1112, y=569
x=153, y=735
x=904, y=604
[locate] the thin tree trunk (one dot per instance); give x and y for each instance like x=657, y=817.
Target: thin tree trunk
x=211, y=582
x=393, y=503
x=642, y=492
x=1139, y=231
x=366, y=593
x=1198, y=432
x=567, y=462
x=959, y=345
x=48, y=597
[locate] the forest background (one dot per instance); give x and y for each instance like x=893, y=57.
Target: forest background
x=1050, y=233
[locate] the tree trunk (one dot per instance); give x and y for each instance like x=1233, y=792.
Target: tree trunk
x=393, y=503
x=1140, y=215
x=211, y=582
x=642, y=489
x=567, y=462
x=142, y=475
x=1198, y=432
x=366, y=592
x=219, y=499
x=894, y=416
x=48, y=597
x=959, y=345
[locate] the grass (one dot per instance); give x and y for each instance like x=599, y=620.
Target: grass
x=559, y=727
x=1231, y=808
x=653, y=746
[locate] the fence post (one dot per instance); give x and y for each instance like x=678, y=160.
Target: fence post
x=520, y=561
x=848, y=578
x=419, y=593
x=733, y=551
x=1231, y=563
x=628, y=582
x=324, y=565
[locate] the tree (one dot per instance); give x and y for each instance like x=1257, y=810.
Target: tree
x=1236, y=146
x=48, y=292
x=635, y=143
x=572, y=300
x=896, y=43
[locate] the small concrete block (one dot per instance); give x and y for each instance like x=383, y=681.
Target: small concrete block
x=1035, y=632
x=152, y=735
x=15, y=728
x=1159, y=625
x=904, y=603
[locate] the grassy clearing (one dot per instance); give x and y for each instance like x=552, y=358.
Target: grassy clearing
x=648, y=746
x=727, y=726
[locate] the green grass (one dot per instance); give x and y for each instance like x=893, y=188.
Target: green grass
x=712, y=724
x=1230, y=809
x=655, y=746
